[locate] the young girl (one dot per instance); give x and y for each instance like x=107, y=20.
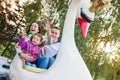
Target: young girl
x=31, y=47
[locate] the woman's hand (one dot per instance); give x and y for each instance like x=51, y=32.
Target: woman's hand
x=27, y=57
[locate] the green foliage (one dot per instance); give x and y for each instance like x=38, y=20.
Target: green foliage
x=1, y=48
x=105, y=29
x=32, y=11
x=10, y=52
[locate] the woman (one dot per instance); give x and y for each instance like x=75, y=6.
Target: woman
x=17, y=64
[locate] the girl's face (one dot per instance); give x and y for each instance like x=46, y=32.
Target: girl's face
x=55, y=34
x=34, y=27
x=36, y=40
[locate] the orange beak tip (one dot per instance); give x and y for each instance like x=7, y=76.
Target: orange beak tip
x=84, y=25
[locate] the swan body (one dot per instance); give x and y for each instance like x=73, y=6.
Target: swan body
x=69, y=64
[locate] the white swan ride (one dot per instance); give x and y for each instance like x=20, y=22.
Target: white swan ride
x=69, y=64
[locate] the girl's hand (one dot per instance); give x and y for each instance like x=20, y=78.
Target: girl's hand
x=16, y=46
x=24, y=35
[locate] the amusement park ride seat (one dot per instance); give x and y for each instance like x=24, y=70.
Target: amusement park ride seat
x=32, y=69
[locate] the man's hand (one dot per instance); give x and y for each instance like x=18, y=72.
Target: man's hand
x=47, y=25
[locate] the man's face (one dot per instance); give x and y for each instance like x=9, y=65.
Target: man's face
x=55, y=33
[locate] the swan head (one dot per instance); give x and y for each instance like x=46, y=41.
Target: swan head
x=84, y=17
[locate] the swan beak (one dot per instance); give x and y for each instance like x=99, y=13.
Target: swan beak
x=84, y=25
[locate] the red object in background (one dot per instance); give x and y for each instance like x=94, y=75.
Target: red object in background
x=84, y=25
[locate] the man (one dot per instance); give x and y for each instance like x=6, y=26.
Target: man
x=51, y=48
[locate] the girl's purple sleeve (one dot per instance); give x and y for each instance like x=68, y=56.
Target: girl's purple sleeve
x=22, y=43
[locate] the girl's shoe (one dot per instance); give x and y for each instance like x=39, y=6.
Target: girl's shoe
x=33, y=65
x=28, y=63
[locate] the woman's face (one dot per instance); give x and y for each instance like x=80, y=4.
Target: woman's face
x=34, y=27
x=55, y=33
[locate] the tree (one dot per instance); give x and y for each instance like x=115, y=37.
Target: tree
x=11, y=20
x=103, y=33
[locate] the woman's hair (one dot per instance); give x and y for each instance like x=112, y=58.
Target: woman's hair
x=39, y=27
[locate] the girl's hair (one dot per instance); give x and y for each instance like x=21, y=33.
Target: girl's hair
x=41, y=37
x=39, y=27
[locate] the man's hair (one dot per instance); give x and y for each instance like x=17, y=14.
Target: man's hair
x=58, y=28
